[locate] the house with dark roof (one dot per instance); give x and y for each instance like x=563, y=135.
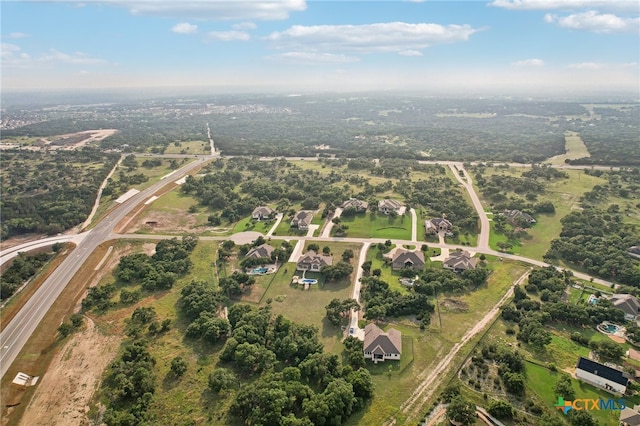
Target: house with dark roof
x=380, y=346
x=518, y=218
x=601, y=375
x=403, y=258
x=460, y=261
x=388, y=205
x=628, y=303
x=634, y=251
x=355, y=205
x=262, y=212
x=630, y=416
x=302, y=219
x=436, y=225
x=312, y=261
x=261, y=252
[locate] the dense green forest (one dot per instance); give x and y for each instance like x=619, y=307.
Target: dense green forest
x=23, y=268
x=50, y=192
x=370, y=125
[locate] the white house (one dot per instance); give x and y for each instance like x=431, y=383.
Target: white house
x=603, y=376
x=380, y=346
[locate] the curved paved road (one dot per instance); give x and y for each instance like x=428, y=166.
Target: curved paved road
x=16, y=333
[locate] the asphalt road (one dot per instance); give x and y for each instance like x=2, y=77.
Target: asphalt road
x=17, y=332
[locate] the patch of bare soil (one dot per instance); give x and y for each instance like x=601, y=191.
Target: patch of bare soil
x=64, y=393
x=160, y=222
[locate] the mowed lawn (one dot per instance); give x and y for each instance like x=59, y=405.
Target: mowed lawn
x=378, y=225
x=190, y=147
x=308, y=306
x=541, y=381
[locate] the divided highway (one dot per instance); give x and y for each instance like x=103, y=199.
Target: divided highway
x=17, y=332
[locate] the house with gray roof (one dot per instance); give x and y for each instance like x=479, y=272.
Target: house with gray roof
x=436, y=225
x=460, y=261
x=312, y=261
x=388, y=205
x=403, y=258
x=380, y=346
x=630, y=416
x=518, y=218
x=261, y=252
x=355, y=205
x=628, y=303
x=262, y=212
x=302, y=219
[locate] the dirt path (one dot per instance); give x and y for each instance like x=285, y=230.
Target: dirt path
x=64, y=392
x=96, y=204
x=429, y=383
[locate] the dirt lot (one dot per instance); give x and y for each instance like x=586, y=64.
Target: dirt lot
x=63, y=394
x=158, y=222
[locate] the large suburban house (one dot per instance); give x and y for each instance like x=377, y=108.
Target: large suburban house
x=517, y=217
x=436, y=225
x=311, y=261
x=628, y=303
x=403, y=258
x=379, y=346
x=388, y=205
x=302, y=219
x=262, y=212
x=355, y=205
x=261, y=252
x=630, y=416
x=460, y=261
x=602, y=376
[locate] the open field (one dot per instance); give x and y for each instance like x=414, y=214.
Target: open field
x=574, y=147
x=190, y=147
x=457, y=314
x=378, y=225
x=563, y=193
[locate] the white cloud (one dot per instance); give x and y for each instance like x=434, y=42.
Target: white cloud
x=378, y=37
x=595, y=22
x=214, y=10
x=529, y=63
x=244, y=26
x=630, y=5
x=74, y=58
x=312, y=58
x=228, y=35
x=14, y=57
x=18, y=35
x=410, y=53
x=184, y=28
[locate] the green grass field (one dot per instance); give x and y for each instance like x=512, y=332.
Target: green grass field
x=190, y=147
x=574, y=149
x=563, y=193
x=376, y=225
x=541, y=381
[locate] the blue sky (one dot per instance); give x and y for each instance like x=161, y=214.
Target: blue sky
x=497, y=46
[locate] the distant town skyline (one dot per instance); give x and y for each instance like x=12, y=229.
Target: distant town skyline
x=500, y=46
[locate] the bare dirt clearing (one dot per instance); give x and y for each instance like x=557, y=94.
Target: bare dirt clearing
x=64, y=393
x=159, y=222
